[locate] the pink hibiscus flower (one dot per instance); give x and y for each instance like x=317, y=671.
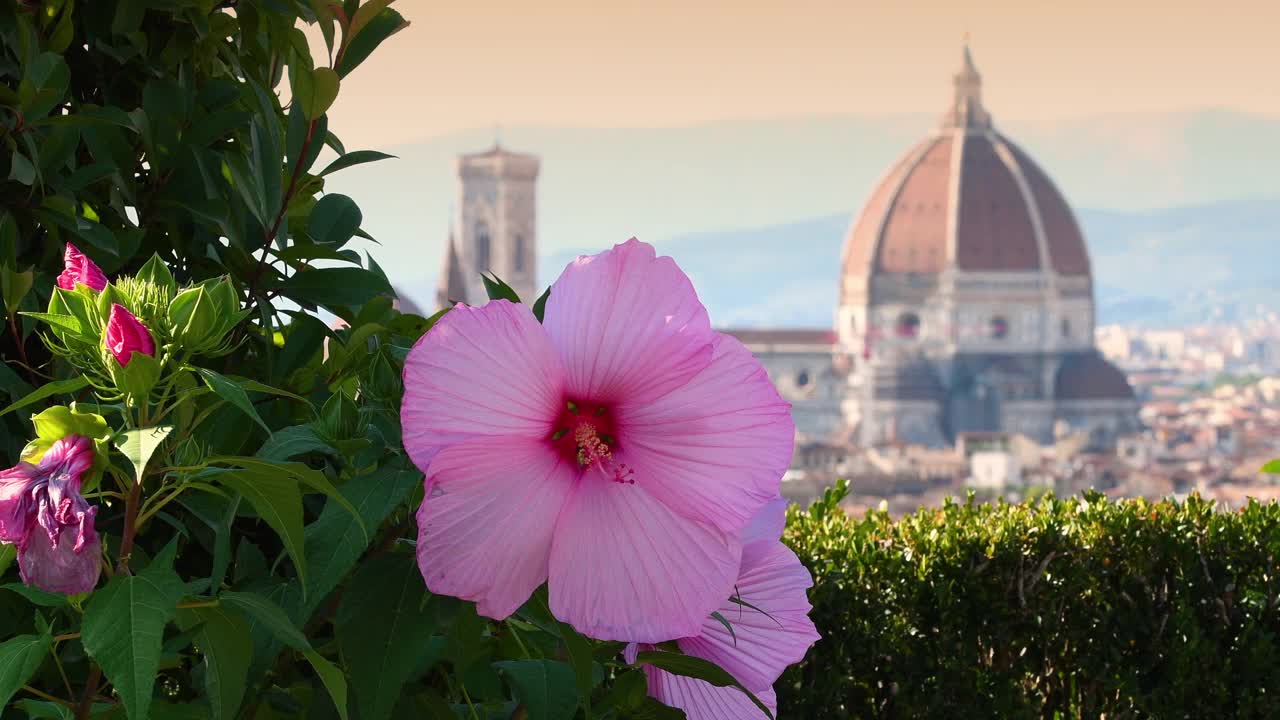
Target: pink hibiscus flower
x=615, y=452
x=78, y=268
x=771, y=630
x=43, y=514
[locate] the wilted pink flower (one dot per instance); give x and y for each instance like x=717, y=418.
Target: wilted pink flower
x=616, y=451
x=769, y=614
x=78, y=268
x=127, y=335
x=44, y=515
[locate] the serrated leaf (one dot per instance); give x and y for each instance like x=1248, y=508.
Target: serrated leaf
x=232, y=393
x=58, y=387
x=699, y=669
x=383, y=632
x=139, y=445
x=351, y=159
x=20, y=657
x=274, y=619
x=313, y=479
x=546, y=688
x=224, y=643
x=123, y=627
x=291, y=442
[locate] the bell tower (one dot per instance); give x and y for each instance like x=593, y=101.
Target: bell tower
x=495, y=229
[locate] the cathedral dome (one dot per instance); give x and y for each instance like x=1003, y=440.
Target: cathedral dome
x=967, y=199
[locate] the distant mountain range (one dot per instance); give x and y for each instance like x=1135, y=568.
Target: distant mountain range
x=1153, y=267
x=762, y=205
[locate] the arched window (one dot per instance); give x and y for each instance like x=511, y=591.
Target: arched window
x=482, y=246
x=908, y=325
x=1066, y=328
x=999, y=327
x=518, y=249
x=802, y=378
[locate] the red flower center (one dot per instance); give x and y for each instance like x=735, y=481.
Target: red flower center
x=586, y=433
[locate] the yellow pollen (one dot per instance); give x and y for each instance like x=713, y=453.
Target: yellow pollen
x=591, y=449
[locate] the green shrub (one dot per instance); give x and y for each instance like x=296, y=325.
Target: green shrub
x=1058, y=608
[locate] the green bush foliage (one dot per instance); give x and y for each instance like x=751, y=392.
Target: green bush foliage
x=1081, y=607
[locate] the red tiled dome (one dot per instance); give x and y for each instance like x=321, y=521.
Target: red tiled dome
x=1088, y=376
x=965, y=198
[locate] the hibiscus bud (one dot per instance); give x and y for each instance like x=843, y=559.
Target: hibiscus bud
x=195, y=321
x=78, y=269
x=157, y=273
x=127, y=335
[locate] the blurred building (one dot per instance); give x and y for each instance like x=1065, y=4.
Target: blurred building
x=496, y=228
x=966, y=305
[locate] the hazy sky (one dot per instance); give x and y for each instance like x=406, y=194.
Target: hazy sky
x=468, y=63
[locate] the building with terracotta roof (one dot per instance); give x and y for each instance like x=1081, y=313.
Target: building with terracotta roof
x=966, y=304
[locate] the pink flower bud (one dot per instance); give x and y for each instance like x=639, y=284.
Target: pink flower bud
x=77, y=268
x=127, y=335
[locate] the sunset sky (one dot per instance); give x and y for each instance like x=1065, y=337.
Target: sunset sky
x=624, y=63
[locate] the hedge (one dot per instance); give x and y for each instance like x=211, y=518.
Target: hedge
x=1079, y=607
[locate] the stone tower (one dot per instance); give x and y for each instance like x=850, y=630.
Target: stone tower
x=496, y=227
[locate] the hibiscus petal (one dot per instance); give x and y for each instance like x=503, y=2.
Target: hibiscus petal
x=714, y=449
x=15, y=508
x=767, y=524
x=60, y=568
x=762, y=644
x=625, y=567
x=484, y=531
x=628, y=324
x=701, y=700
x=486, y=371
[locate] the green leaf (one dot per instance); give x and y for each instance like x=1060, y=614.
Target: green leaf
x=583, y=662
x=14, y=286
x=35, y=596
x=8, y=554
x=44, y=85
x=334, y=220
x=699, y=669
x=57, y=387
x=335, y=286
x=1272, y=468
x=231, y=392
x=325, y=83
x=276, y=498
x=20, y=657
x=298, y=472
x=351, y=159
x=156, y=271
x=498, y=290
x=224, y=643
x=139, y=445
x=335, y=541
x=275, y=620
x=540, y=306
x=376, y=30
x=291, y=442
x=546, y=688
x=21, y=170
x=65, y=322
x=383, y=632
x=123, y=627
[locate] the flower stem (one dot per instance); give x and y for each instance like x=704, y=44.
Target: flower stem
x=130, y=526
x=22, y=350
x=46, y=696
x=90, y=689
